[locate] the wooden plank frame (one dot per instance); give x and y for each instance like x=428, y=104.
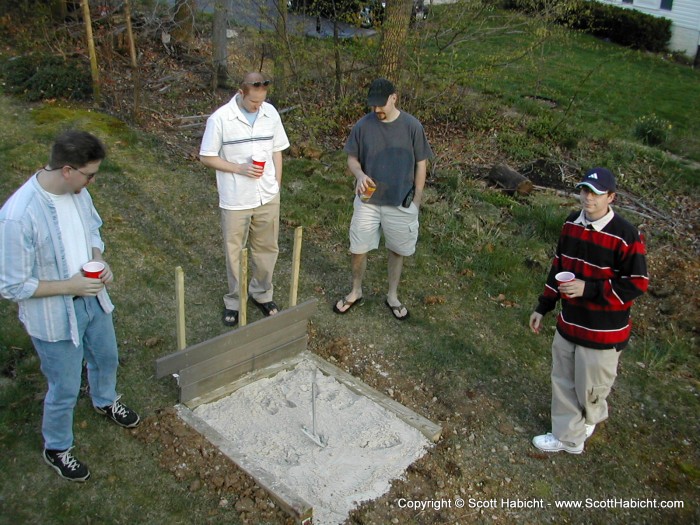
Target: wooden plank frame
x=215, y=368
x=285, y=496
x=214, y=363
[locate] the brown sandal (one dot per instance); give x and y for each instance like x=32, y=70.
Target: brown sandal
x=347, y=303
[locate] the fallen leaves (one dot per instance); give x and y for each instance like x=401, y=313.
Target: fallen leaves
x=434, y=299
x=505, y=303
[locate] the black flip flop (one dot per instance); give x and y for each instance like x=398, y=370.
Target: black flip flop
x=395, y=311
x=266, y=308
x=230, y=313
x=347, y=303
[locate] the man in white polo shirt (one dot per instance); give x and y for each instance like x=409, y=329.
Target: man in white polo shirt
x=249, y=199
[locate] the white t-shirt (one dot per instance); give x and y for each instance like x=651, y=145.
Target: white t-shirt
x=72, y=232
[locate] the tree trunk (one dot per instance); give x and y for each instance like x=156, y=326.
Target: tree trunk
x=510, y=180
x=394, y=34
x=220, y=44
x=130, y=34
x=91, y=50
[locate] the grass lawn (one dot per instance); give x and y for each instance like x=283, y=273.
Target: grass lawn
x=600, y=89
x=464, y=342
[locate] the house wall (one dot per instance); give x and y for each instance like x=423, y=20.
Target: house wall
x=685, y=16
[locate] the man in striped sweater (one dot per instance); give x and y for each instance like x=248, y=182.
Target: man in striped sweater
x=607, y=257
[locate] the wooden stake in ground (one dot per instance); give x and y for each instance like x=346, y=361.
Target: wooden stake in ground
x=296, y=263
x=243, y=288
x=180, y=297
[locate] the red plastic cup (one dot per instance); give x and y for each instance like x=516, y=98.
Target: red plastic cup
x=259, y=160
x=93, y=269
x=564, y=277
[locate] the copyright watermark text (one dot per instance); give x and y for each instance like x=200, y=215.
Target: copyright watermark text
x=535, y=503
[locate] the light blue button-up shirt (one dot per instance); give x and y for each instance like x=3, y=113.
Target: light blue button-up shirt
x=32, y=250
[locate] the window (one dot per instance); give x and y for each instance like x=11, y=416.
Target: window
x=627, y=1
x=667, y=5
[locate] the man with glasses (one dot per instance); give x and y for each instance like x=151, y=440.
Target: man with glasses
x=244, y=128
x=49, y=229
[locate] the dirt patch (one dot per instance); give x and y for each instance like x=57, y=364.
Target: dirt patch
x=189, y=457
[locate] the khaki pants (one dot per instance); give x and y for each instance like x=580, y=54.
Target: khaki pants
x=581, y=381
x=259, y=228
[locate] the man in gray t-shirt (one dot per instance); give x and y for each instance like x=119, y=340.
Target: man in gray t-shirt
x=388, y=154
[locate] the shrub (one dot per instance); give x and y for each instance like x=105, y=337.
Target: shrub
x=545, y=129
x=623, y=26
x=652, y=130
x=37, y=77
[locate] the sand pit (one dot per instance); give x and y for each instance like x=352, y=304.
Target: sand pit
x=367, y=447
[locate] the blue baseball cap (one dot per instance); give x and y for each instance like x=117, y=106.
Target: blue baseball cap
x=599, y=180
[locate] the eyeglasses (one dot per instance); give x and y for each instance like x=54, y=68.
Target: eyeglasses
x=89, y=176
x=259, y=83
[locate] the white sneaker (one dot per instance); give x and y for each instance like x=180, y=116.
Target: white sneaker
x=548, y=443
x=589, y=430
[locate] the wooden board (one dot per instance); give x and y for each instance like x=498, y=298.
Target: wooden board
x=252, y=377
x=242, y=353
x=195, y=354
x=222, y=378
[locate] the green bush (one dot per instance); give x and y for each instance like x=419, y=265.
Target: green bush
x=652, y=130
x=40, y=77
x=545, y=129
x=626, y=27
x=623, y=26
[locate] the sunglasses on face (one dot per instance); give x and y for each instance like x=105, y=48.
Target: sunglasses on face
x=258, y=83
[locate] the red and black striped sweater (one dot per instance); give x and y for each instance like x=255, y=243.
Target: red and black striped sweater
x=613, y=264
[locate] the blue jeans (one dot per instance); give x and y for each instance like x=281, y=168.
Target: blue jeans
x=62, y=363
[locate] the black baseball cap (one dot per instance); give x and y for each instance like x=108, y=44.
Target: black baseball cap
x=599, y=180
x=379, y=92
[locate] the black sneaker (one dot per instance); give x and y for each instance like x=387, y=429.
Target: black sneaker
x=121, y=414
x=66, y=465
